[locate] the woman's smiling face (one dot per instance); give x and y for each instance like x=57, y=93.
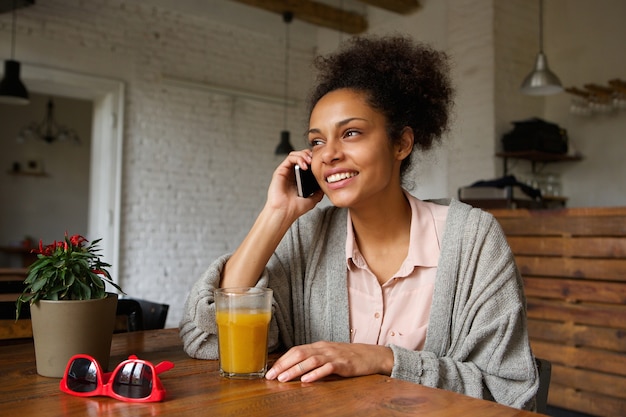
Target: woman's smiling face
x=354, y=160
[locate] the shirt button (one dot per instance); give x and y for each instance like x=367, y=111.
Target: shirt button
x=377, y=315
x=393, y=333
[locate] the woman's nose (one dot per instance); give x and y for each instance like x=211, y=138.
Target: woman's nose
x=332, y=151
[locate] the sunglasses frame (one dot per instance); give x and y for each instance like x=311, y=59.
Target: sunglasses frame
x=105, y=380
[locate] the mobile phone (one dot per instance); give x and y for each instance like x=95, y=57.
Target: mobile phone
x=305, y=181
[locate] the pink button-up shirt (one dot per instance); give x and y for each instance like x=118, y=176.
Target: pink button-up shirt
x=398, y=311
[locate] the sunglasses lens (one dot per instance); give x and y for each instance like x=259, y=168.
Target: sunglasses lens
x=133, y=380
x=82, y=376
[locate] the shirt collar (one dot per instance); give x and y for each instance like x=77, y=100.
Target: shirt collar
x=424, y=241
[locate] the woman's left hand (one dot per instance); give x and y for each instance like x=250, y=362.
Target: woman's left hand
x=317, y=360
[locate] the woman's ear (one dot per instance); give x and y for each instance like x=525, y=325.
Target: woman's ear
x=405, y=145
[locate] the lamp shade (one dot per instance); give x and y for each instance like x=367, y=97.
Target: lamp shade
x=541, y=81
x=284, y=147
x=12, y=90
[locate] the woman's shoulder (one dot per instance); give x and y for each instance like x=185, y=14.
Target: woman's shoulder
x=459, y=215
x=460, y=209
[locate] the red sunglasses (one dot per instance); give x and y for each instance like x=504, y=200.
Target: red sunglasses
x=133, y=380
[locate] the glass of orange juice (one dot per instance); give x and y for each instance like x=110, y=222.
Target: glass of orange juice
x=243, y=317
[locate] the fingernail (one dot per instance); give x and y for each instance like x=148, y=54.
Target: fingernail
x=271, y=374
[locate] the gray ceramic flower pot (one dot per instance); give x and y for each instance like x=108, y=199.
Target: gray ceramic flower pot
x=62, y=329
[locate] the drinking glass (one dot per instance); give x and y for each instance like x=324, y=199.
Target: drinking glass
x=243, y=316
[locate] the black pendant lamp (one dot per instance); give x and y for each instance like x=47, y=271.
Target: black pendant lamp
x=541, y=81
x=12, y=90
x=284, y=147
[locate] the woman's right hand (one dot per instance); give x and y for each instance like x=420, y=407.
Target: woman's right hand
x=282, y=208
x=282, y=193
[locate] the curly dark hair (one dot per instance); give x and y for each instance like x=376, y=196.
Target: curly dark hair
x=407, y=81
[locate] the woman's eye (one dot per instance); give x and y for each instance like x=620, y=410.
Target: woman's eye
x=350, y=133
x=315, y=142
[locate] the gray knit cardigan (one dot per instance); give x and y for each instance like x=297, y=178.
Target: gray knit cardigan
x=477, y=340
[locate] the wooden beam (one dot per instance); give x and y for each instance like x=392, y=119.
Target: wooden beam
x=396, y=6
x=315, y=13
x=8, y=5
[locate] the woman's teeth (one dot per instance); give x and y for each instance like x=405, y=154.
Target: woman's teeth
x=341, y=176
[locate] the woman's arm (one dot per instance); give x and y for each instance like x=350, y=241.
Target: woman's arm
x=282, y=208
x=245, y=267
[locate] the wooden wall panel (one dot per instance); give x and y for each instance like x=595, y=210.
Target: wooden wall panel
x=590, y=268
x=571, y=246
x=613, y=339
x=585, y=402
x=607, y=315
x=573, y=262
x=575, y=290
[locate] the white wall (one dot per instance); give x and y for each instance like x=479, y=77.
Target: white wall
x=197, y=164
x=44, y=207
x=585, y=44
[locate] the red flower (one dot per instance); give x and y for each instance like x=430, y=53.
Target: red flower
x=77, y=240
x=48, y=250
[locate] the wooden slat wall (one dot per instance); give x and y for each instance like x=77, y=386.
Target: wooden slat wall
x=573, y=262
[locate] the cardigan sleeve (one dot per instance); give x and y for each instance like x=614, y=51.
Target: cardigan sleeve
x=477, y=342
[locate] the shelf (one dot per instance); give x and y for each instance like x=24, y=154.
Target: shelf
x=27, y=174
x=536, y=156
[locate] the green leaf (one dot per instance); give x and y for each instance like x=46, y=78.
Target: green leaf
x=67, y=273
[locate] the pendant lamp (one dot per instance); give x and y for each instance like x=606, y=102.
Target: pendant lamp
x=541, y=81
x=12, y=90
x=284, y=147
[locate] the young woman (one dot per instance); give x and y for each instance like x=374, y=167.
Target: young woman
x=380, y=282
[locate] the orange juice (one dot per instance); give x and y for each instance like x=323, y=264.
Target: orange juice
x=242, y=337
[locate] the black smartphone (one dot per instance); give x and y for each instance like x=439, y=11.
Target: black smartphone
x=305, y=181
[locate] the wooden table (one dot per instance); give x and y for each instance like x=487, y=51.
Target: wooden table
x=195, y=388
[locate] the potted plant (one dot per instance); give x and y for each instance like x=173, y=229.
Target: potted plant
x=71, y=311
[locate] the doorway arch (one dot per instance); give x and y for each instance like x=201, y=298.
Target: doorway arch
x=105, y=178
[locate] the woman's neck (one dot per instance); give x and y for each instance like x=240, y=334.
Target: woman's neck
x=385, y=220
x=383, y=235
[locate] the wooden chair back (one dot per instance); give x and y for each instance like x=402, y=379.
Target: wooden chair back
x=11, y=286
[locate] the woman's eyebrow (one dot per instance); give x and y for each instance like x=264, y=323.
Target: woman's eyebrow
x=338, y=124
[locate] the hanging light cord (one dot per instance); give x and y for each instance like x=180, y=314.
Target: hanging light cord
x=14, y=29
x=287, y=17
x=541, y=26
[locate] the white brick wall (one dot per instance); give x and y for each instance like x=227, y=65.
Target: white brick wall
x=470, y=34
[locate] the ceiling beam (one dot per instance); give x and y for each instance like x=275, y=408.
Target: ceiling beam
x=7, y=5
x=316, y=13
x=396, y=6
